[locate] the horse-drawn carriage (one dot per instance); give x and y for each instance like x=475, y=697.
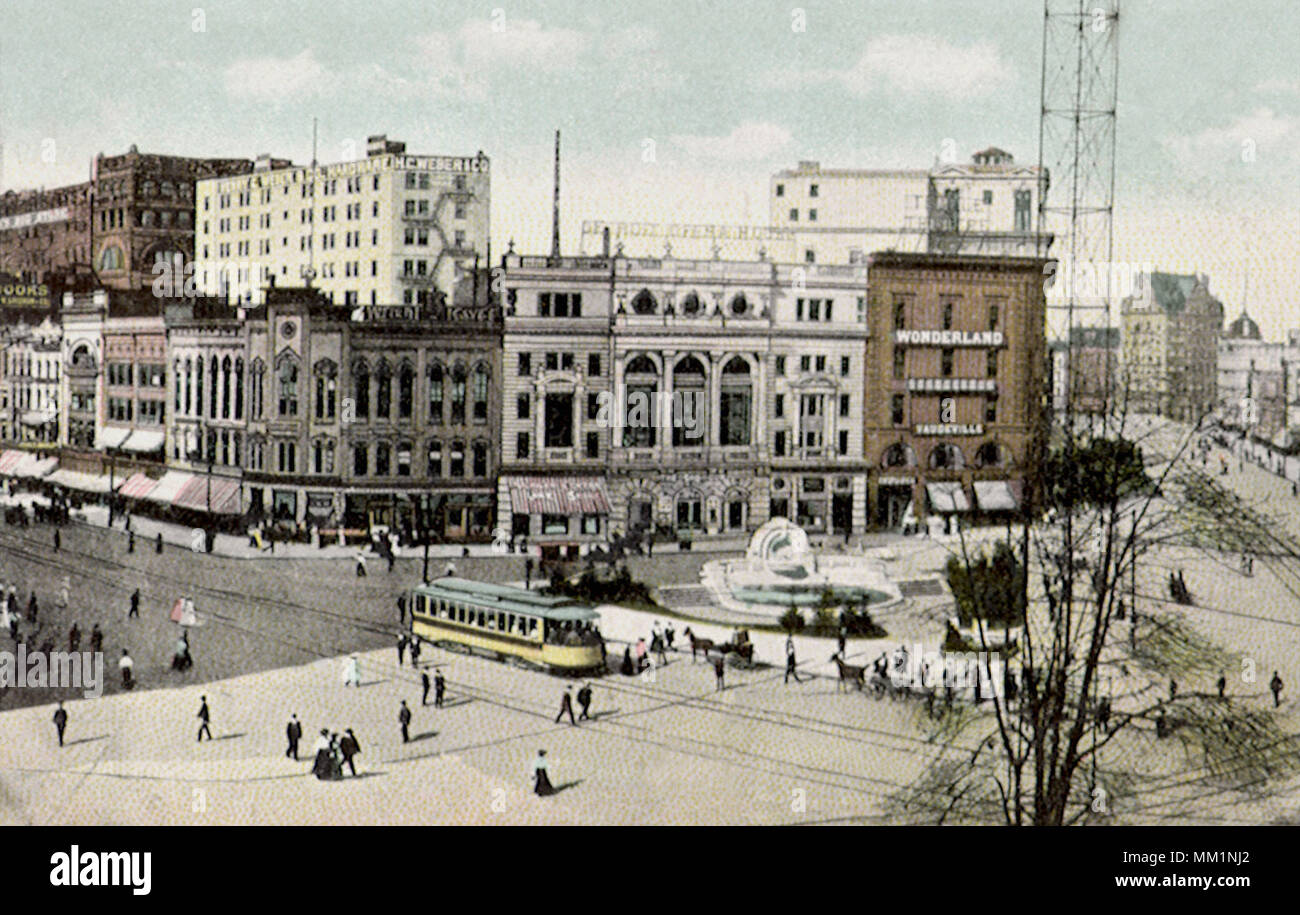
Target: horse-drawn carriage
x=739, y=651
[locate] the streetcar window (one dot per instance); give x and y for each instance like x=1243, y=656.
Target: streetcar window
x=460, y=613
x=501, y=622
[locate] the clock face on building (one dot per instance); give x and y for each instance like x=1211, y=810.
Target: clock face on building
x=288, y=329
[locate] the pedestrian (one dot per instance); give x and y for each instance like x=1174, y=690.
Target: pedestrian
x=96, y=638
x=415, y=652
x=669, y=634
x=293, y=731
x=439, y=688
x=541, y=777
x=349, y=746
x=60, y=721
x=842, y=639
x=528, y=573
x=205, y=718
x=404, y=718
x=74, y=638
x=424, y=687
x=790, y=663
x=718, y=671
x=352, y=671
x=31, y=608
x=1276, y=686
x=58, y=541
x=401, y=649
x=566, y=706
x=158, y=546
x=126, y=665
x=361, y=564
x=401, y=609
x=135, y=604
x=130, y=542
x=640, y=655
x=391, y=558
x=584, y=700
x=657, y=646
x=1173, y=689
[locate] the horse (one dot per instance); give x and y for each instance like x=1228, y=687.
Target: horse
x=848, y=672
x=704, y=645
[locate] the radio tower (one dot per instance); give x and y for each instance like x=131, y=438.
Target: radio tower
x=1076, y=150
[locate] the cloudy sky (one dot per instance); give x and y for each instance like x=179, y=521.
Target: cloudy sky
x=678, y=111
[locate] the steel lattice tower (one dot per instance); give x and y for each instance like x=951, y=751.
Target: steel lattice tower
x=1076, y=150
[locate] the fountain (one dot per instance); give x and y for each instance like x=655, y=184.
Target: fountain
x=781, y=570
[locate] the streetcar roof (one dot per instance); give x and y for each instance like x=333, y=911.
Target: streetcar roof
x=507, y=598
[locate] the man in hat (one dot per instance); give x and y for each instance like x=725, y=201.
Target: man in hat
x=349, y=746
x=126, y=665
x=415, y=652
x=566, y=706
x=401, y=649
x=294, y=733
x=352, y=671
x=60, y=721
x=1276, y=686
x=439, y=689
x=96, y=638
x=424, y=687
x=204, y=717
x=135, y=604
x=404, y=718
x=584, y=700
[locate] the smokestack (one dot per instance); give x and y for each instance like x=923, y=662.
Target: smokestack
x=555, y=214
x=604, y=241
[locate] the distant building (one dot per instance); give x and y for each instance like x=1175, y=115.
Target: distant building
x=1087, y=369
x=1169, y=358
x=1250, y=379
x=32, y=372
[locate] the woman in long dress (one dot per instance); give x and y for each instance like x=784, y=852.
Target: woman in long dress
x=541, y=777
x=323, y=767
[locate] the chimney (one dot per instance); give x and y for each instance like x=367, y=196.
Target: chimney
x=555, y=214
x=604, y=242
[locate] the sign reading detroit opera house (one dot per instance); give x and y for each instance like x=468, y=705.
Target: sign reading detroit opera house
x=948, y=337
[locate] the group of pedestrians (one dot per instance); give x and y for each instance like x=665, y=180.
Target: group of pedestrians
x=332, y=752
x=566, y=704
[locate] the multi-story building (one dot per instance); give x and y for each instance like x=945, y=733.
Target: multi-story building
x=1250, y=379
x=80, y=421
x=955, y=381
x=1086, y=370
x=384, y=415
x=1169, y=359
x=133, y=380
x=693, y=397
x=390, y=228
x=33, y=371
x=137, y=210
x=988, y=206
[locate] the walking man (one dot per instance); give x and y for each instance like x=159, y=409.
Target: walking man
x=401, y=649
x=401, y=609
x=424, y=687
x=205, y=718
x=1173, y=689
x=135, y=604
x=58, y=541
x=74, y=638
x=130, y=542
x=96, y=638
x=404, y=717
x=790, y=663
x=349, y=746
x=158, y=545
x=294, y=733
x=584, y=700
x=566, y=706
x=361, y=564
x=718, y=669
x=352, y=671
x=60, y=721
x=668, y=636
x=439, y=689
x=126, y=665
x=1222, y=684
x=415, y=652
x=1276, y=686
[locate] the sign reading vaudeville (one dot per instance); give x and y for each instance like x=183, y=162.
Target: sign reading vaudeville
x=14, y=294
x=949, y=429
x=948, y=337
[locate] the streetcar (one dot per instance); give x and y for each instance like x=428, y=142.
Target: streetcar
x=557, y=633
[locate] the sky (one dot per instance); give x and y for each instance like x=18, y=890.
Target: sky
x=677, y=111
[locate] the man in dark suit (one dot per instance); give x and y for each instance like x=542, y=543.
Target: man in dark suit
x=566, y=707
x=135, y=604
x=404, y=717
x=349, y=746
x=204, y=717
x=439, y=689
x=60, y=721
x=294, y=733
x=584, y=700
x=424, y=687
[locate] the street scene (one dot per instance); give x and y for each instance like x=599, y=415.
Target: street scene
x=542, y=417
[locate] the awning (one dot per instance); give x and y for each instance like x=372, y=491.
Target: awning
x=113, y=437
x=35, y=467
x=995, y=496
x=558, y=496
x=137, y=487
x=39, y=417
x=165, y=490
x=11, y=459
x=143, y=442
x=84, y=482
x=947, y=497
x=222, y=493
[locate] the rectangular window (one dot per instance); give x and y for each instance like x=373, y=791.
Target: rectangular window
x=900, y=314
x=945, y=363
x=780, y=365
x=559, y=420
x=896, y=409
x=360, y=460
x=521, y=445
x=947, y=315
x=812, y=190
x=844, y=405
x=844, y=365
x=522, y=404
x=593, y=365
x=993, y=317
x=993, y=363
x=593, y=444
x=805, y=363
x=844, y=441
x=991, y=410
x=778, y=444
x=593, y=406
x=899, y=359
x=525, y=364
x=779, y=410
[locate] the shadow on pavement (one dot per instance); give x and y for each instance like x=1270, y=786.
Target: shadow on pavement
x=73, y=743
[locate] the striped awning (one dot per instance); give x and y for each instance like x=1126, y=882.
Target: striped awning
x=947, y=497
x=558, y=496
x=166, y=489
x=222, y=493
x=10, y=459
x=83, y=482
x=137, y=487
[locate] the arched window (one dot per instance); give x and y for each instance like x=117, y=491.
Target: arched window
x=361, y=389
x=383, y=390
x=213, y=371
x=225, y=388
x=690, y=304
x=739, y=304
x=481, y=379
x=989, y=455
x=946, y=457
x=640, y=422
x=435, y=394
x=458, y=395
x=259, y=391
x=176, y=374
x=405, y=390
x=643, y=303
x=690, y=417
x=326, y=373
x=734, y=404
x=198, y=386
x=239, y=387
x=899, y=455
x=381, y=459
x=111, y=258
x=288, y=388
